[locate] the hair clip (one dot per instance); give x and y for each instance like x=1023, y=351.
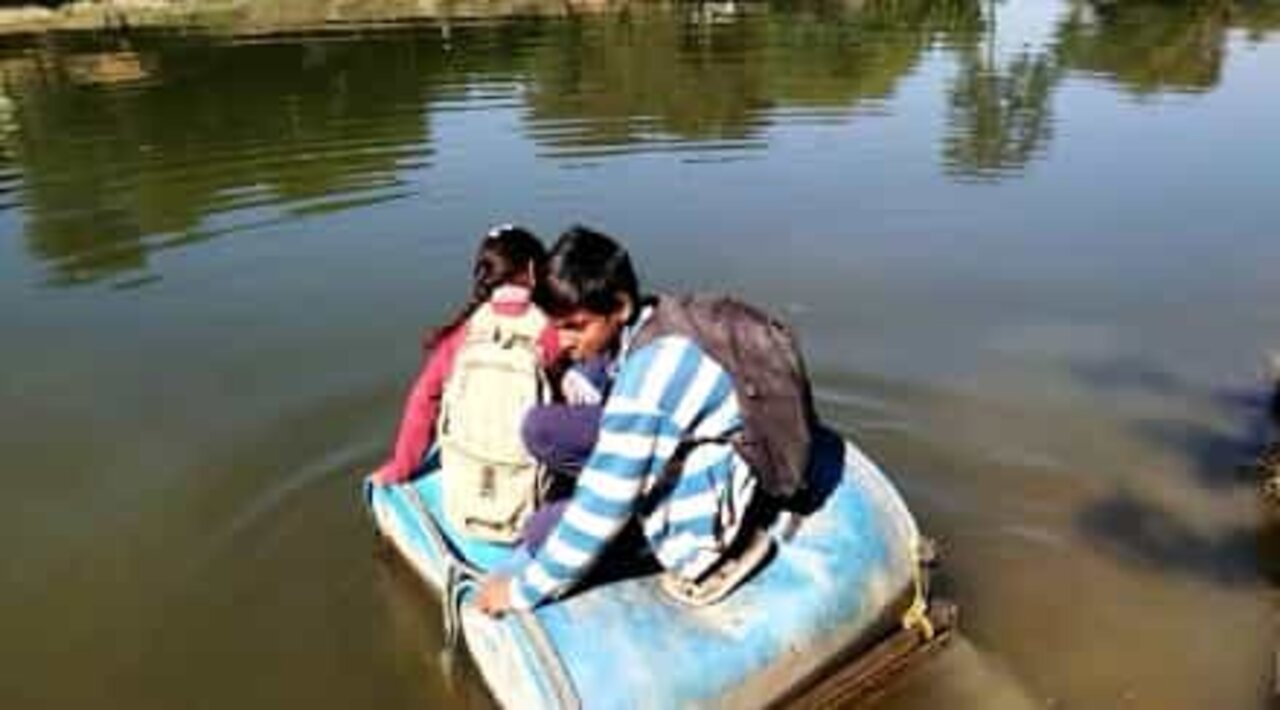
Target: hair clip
x=500, y=230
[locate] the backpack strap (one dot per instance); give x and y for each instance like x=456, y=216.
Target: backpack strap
x=670, y=473
x=528, y=325
x=658, y=321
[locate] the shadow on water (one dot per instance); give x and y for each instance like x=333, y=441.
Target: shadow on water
x=1218, y=458
x=1219, y=454
x=1138, y=531
x=1142, y=531
x=1147, y=513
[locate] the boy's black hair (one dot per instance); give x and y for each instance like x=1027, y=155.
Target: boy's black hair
x=589, y=270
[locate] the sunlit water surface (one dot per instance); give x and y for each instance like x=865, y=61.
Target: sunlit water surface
x=1031, y=249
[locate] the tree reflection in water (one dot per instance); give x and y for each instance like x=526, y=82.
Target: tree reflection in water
x=113, y=170
x=1148, y=47
x=1001, y=113
x=651, y=75
x=118, y=146
x=1000, y=118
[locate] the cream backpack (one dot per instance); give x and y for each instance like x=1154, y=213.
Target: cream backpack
x=490, y=482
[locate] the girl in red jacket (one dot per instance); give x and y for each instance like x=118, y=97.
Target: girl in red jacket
x=506, y=269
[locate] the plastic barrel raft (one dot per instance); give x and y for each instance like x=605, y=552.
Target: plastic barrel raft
x=839, y=608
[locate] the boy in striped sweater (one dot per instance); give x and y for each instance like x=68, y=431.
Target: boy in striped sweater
x=667, y=390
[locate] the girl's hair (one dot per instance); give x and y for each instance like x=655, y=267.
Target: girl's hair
x=589, y=270
x=506, y=255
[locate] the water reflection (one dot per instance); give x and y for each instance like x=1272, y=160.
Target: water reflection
x=118, y=146
x=1001, y=108
x=722, y=72
x=1043, y=360
x=1000, y=116
x=1148, y=47
x=122, y=153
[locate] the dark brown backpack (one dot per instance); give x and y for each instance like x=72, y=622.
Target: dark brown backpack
x=763, y=359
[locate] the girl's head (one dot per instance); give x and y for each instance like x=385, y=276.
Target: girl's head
x=590, y=291
x=508, y=255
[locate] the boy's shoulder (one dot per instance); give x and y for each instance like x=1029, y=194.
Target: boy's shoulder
x=666, y=362
x=664, y=350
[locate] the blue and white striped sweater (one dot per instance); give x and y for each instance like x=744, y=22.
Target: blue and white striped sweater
x=663, y=390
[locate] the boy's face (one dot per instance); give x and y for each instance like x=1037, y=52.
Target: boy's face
x=585, y=334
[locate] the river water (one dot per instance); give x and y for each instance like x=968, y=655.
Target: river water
x=1031, y=249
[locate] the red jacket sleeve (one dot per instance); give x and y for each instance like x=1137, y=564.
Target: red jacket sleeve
x=418, y=423
x=548, y=345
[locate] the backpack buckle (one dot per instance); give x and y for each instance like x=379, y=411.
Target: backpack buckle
x=488, y=482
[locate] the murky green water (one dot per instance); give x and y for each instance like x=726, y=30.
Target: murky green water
x=1031, y=247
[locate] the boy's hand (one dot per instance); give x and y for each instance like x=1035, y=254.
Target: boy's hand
x=578, y=390
x=494, y=598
